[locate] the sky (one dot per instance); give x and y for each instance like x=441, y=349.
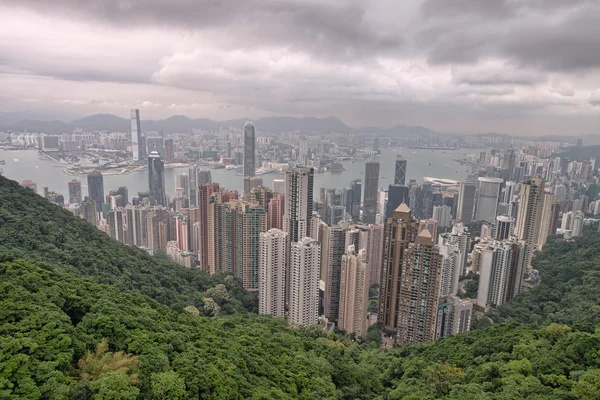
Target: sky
x=528, y=67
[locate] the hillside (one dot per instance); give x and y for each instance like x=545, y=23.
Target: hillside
x=66, y=287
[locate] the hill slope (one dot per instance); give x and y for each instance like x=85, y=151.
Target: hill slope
x=64, y=289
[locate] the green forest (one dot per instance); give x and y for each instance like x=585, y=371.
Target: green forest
x=84, y=317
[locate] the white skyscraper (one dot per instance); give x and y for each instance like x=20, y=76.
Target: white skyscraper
x=271, y=272
x=136, y=136
x=442, y=214
x=488, y=196
x=452, y=265
x=304, y=282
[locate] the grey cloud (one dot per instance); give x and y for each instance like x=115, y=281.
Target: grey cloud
x=496, y=9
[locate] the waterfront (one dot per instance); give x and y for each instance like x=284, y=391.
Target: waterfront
x=26, y=164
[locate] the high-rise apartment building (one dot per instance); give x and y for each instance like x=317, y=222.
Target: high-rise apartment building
x=488, y=197
x=529, y=220
x=504, y=227
x=452, y=265
x=75, y=191
x=466, y=202
x=304, y=282
x=549, y=219
x=205, y=192
x=276, y=210
x=577, y=228
x=371, y=188
x=299, y=183
x=137, y=143
x=454, y=316
x=156, y=179
x=249, y=150
x=354, y=292
x=419, y=291
x=271, y=272
x=89, y=211
x=400, y=230
x=95, y=182
x=333, y=247
x=443, y=215
x=400, y=171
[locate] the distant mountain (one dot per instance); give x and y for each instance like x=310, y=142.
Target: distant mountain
x=183, y=124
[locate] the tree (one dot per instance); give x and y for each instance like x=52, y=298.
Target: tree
x=114, y=385
x=167, y=386
x=101, y=362
x=442, y=377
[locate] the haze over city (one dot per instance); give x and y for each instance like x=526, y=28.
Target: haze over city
x=462, y=66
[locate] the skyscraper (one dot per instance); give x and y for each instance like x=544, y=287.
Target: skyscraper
x=355, y=199
x=276, y=210
x=454, y=316
x=169, y=156
x=136, y=136
x=451, y=267
x=304, y=282
x=299, y=184
x=249, y=150
x=400, y=230
x=183, y=181
x=271, y=272
x=504, y=227
x=529, y=219
x=371, y=185
x=577, y=224
x=354, y=292
x=74, y=191
x=442, y=214
x=156, y=179
x=419, y=291
x=488, y=197
x=400, y=171
x=193, y=178
x=397, y=194
x=95, y=182
x=466, y=202
x=333, y=247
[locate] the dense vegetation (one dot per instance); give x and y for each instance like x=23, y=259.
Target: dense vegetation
x=583, y=153
x=95, y=333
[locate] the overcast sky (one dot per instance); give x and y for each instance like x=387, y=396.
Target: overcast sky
x=516, y=66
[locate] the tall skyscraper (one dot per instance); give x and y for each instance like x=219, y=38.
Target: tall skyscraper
x=488, y=197
x=354, y=292
x=276, y=210
x=75, y=191
x=138, y=150
x=466, y=202
x=249, y=150
x=371, y=186
x=577, y=228
x=548, y=219
x=400, y=230
x=156, y=179
x=169, y=155
x=504, y=227
x=400, y=171
x=204, y=177
x=333, y=247
x=451, y=266
x=95, y=182
x=193, y=178
x=183, y=181
x=442, y=214
x=271, y=272
x=89, y=211
x=299, y=183
x=419, y=291
x=397, y=194
x=251, y=182
x=529, y=220
x=304, y=282
x=355, y=199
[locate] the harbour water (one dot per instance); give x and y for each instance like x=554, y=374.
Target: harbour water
x=26, y=164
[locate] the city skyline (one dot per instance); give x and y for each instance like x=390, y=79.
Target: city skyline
x=423, y=67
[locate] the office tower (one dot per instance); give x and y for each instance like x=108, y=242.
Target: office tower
x=74, y=192
x=466, y=202
x=371, y=188
x=276, y=210
x=299, y=183
x=169, y=155
x=529, y=219
x=89, y=211
x=137, y=144
x=442, y=214
x=488, y=197
x=204, y=177
x=335, y=210
x=400, y=171
x=354, y=293
x=279, y=185
x=333, y=247
x=355, y=198
x=452, y=265
x=193, y=178
x=95, y=182
x=397, y=194
x=156, y=179
x=155, y=144
x=430, y=225
x=510, y=158
x=419, y=291
x=504, y=227
x=501, y=266
x=454, y=316
x=251, y=182
x=382, y=200
x=577, y=224
x=400, y=230
x=271, y=272
x=421, y=197
x=249, y=150
x=304, y=282
x=123, y=196
x=183, y=181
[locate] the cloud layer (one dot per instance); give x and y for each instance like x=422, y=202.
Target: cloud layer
x=520, y=66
